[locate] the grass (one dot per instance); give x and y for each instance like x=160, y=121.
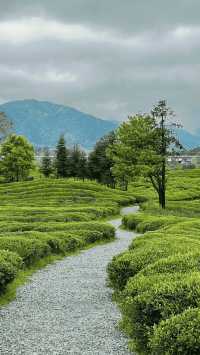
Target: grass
x=46, y=219
x=157, y=281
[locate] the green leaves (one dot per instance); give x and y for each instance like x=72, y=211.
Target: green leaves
x=17, y=158
x=141, y=147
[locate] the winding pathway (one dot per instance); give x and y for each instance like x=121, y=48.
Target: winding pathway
x=66, y=307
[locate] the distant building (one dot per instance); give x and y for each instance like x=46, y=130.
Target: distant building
x=184, y=160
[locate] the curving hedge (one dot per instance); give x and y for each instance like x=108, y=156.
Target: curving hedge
x=179, y=334
x=144, y=253
x=157, y=299
x=28, y=249
x=10, y=263
x=157, y=281
x=47, y=216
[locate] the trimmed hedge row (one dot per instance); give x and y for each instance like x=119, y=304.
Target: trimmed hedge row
x=43, y=217
x=154, y=299
x=179, y=334
x=145, y=252
x=29, y=250
x=143, y=223
x=157, y=281
x=10, y=263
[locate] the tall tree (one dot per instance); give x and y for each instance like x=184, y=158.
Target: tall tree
x=78, y=163
x=83, y=166
x=61, y=160
x=99, y=164
x=17, y=158
x=46, y=164
x=75, y=155
x=160, y=113
x=142, y=146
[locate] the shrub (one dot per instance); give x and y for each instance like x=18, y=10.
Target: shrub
x=132, y=220
x=143, y=223
x=128, y=264
x=10, y=263
x=59, y=242
x=55, y=216
x=29, y=250
x=163, y=299
x=179, y=334
x=178, y=243
x=175, y=263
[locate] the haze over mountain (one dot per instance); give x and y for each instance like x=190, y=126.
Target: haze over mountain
x=42, y=123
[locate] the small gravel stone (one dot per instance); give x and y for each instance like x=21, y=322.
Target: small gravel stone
x=66, y=307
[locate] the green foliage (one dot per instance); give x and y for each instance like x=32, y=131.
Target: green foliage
x=177, y=263
x=160, y=301
x=17, y=158
x=99, y=164
x=46, y=165
x=29, y=250
x=10, y=263
x=62, y=161
x=158, y=279
x=78, y=163
x=50, y=217
x=143, y=223
x=179, y=334
x=144, y=253
x=141, y=148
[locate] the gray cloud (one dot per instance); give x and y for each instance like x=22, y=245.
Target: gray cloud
x=109, y=58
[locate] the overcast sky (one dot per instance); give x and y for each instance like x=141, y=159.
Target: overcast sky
x=110, y=58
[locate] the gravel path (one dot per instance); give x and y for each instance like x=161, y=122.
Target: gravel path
x=67, y=308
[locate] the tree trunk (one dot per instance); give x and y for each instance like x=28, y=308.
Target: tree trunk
x=162, y=187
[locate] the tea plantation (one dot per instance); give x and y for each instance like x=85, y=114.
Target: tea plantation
x=49, y=217
x=157, y=281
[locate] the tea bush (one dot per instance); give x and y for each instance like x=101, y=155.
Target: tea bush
x=45, y=217
x=157, y=281
x=179, y=334
x=28, y=249
x=10, y=263
x=162, y=298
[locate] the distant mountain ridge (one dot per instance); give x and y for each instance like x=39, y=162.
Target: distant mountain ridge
x=43, y=122
x=188, y=140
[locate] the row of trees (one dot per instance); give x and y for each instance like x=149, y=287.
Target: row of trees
x=139, y=147
x=75, y=163
x=67, y=162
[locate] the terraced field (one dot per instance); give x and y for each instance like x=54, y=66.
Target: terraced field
x=47, y=218
x=157, y=280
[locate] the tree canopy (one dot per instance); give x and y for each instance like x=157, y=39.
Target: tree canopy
x=62, y=159
x=99, y=163
x=141, y=147
x=46, y=164
x=17, y=158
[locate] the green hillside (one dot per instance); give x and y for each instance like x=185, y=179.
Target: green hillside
x=47, y=218
x=157, y=281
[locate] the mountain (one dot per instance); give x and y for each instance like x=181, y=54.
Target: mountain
x=188, y=140
x=42, y=123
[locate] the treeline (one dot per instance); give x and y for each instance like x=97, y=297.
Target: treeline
x=139, y=147
x=74, y=162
